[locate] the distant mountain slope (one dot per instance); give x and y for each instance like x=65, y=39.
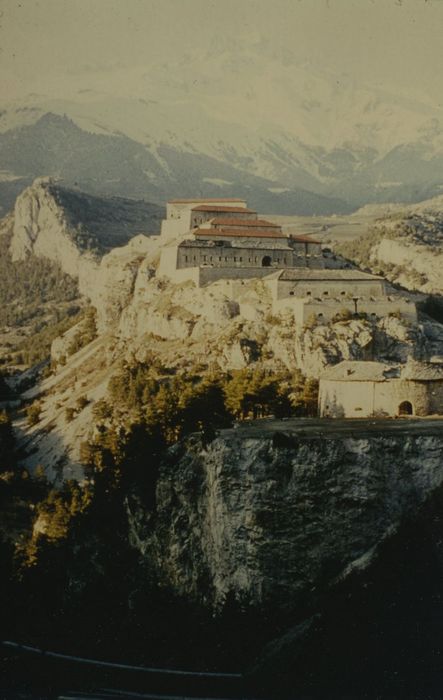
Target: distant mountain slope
x=113, y=164
x=235, y=115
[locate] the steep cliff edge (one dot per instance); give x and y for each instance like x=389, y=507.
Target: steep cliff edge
x=271, y=518
x=74, y=229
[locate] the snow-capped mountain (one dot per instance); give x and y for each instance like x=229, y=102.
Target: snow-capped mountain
x=248, y=112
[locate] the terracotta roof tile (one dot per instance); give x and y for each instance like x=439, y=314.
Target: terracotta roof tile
x=244, y=222
x=216, y=207
x=304, y=239
x=209, y=200
x=238, y=232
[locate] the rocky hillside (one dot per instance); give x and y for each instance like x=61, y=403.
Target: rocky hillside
x=270, y=538
x=73, y=229
x=405, y=245
x=226, y=327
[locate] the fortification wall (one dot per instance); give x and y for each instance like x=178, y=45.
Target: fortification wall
x=304, y=248
x=168, y=262
x=213, y=274
x=172, y=228
x=332, y=288
x=303, y=309
x=233, y=257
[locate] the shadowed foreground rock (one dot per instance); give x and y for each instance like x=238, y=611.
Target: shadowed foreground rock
x=269, y=521
x=336, y=542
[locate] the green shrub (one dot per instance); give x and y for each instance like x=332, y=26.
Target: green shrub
x=81, y=403
x=69, y=414
x=33, y=413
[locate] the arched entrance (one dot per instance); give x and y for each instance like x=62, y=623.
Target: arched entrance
x=405, y=409
x=266, y=261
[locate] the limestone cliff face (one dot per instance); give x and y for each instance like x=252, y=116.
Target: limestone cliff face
x=41, y=228
x=420, y=264
x=86, y=236
x=270, y=519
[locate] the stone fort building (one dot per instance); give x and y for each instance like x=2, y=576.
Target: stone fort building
x=205, y=240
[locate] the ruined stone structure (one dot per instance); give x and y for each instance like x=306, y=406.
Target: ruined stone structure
x=360, y=389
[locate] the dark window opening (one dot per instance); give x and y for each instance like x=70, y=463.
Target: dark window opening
x=266, y=261
x=405, y=409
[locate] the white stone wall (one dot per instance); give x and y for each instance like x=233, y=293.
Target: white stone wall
x=173, y=228
x=353, y=399
x=168, y=262
x=212, y=274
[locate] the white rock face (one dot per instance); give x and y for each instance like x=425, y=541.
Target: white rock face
x=40, y=228
x=421, y=259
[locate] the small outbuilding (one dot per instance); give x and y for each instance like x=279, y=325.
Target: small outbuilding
x=354, y=389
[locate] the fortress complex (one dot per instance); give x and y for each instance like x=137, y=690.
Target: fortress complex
x=213, y=239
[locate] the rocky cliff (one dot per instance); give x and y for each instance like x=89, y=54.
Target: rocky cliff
x=405, y=244
x=270, y=517
x=75, y=230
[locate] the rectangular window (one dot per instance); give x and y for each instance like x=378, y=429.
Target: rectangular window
x=186, y=258
x=204, y=258
x=241, y=259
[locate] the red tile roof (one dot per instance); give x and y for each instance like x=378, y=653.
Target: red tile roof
x=244, y=222
x=216, y=207
x=304, y=239
x=239, y=232
x=210, y=200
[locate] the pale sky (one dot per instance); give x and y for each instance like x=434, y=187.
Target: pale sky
x=59, y=45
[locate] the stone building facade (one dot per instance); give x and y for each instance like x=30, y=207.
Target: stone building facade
x=181, y=214
x=326, y=284
x=361, y=389
x=210, y=240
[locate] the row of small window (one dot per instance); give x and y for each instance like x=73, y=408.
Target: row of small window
x=235, y=259
x=308, y=294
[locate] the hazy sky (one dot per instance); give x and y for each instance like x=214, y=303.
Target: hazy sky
x=56, y=46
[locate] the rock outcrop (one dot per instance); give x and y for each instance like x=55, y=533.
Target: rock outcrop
x=268, y=518
x=75, y=230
